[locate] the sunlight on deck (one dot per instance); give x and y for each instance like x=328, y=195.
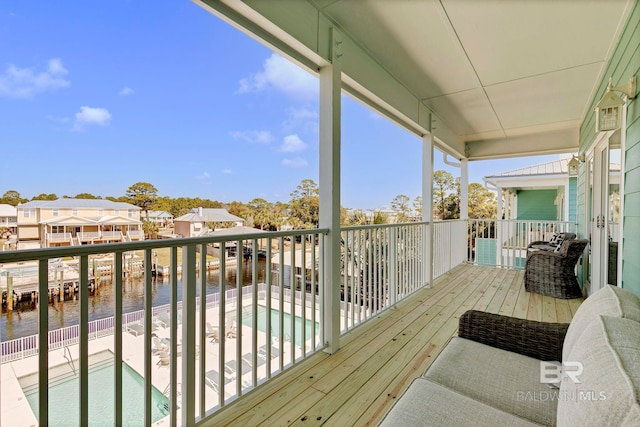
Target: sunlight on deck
x=378, y=360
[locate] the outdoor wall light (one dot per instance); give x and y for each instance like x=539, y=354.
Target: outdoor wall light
x=574, y=164
x=609, y=109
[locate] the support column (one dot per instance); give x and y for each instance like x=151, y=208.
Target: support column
x=329, y=215
x=464, y=189
x=499, y=228
x=427, y=207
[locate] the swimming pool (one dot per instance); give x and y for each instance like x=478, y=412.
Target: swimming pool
x=275, y=324
x=63, y=398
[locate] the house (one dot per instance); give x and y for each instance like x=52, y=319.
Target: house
x=69, y=222
x=477, y=80
x=200, y=221
x=162, y=218
x=8, y=217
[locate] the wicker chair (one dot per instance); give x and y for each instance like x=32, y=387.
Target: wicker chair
x=553, y=273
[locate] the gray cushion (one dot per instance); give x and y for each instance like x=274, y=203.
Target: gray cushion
x=502, y=379
x=609, y=388
x=429, y=404
x=608, y=301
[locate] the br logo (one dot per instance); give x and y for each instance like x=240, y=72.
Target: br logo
x=554, y=372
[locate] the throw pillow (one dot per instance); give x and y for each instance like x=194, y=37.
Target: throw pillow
x=556, y=239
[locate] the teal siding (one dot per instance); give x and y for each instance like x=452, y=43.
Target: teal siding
x=537, y=205
x=486, y=251
x=624, y=63
x=572, y=199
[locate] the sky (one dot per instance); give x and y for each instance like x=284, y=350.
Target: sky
x=97, y=96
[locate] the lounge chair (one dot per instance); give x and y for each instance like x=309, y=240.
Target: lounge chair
x=212, y=333
x=164, y=359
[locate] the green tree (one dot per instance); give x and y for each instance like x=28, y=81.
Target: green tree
x=482, y=202
x=150, y=229
x=12, y=198
x=304, y=207
x=400, y=204
x=44, y=196
x=443, y=184
x=143, y=195
x=86, y=196
x=417, y=207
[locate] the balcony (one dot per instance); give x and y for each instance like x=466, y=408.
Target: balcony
x=389, y=325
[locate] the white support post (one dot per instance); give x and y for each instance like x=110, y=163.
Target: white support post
x=499, y=224
x=464, y=207
x=464, y=189
x=427, y=207
x=329, y=215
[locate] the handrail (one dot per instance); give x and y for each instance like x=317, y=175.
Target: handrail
x=70, y=359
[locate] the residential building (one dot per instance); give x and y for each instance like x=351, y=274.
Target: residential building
x=162, y=218
x=8, y=217
x=69, y=222
x=200, y=221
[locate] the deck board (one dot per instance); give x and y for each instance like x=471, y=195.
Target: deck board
x=378, y=360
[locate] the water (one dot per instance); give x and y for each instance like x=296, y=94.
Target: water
x=23, y=321
x=286, y=325
x=63, y=399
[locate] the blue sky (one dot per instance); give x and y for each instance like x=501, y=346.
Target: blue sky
x=96, y=96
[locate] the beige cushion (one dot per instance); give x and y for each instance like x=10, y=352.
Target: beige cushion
x=608, y=301
x=429, y=404
x=502, y=379
x=607, y=394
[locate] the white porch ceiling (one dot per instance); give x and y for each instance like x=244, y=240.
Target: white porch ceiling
x=499, y=75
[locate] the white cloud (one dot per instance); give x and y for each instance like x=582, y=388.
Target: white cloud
x=295, y=163
x=253, y=136
x=125, y=91
x=283, y=75
x=291, y=144
x=301, y=119
x=26, y=82
x=90, y=116
x=227, y=171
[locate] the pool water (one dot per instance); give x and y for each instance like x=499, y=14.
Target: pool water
x=275, y=324
x=64, y=406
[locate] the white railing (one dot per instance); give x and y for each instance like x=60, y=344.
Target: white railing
x=230, y=342
x=89, y=235
x=112, y=234
x=503, y=243
x=449, y=245
x=380, y=265
x=58, y=236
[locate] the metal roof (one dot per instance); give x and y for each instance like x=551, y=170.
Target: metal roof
x=209, y=215
x=555, y=167
x=78, y=204
x=8, y=210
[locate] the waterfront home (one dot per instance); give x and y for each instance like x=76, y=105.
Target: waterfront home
x=475, y=79
x=70, y=222
x=162, y=218
x=200, y=221
x=8, y=218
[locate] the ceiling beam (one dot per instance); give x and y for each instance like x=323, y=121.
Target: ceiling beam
x=556, y=142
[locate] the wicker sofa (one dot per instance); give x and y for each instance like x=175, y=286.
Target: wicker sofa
x=492, y=373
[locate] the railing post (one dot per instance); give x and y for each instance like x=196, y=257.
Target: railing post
x=427, y=209
x=188, y=335
x=393, y=265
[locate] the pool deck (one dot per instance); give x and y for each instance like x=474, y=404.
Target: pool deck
x=16, y=411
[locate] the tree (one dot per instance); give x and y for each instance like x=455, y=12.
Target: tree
x=417, y=207
x=443, y=183
x=44, y=196
x=150, y=228
x=86, y=196
x=12, y=198
x=143, y=195
x=482, y=202
x=400, y=204
x=304, y=207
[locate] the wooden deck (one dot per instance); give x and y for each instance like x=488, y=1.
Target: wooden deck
x=377, y=361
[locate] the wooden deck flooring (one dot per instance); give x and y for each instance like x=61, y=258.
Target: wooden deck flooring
x=377, y=361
